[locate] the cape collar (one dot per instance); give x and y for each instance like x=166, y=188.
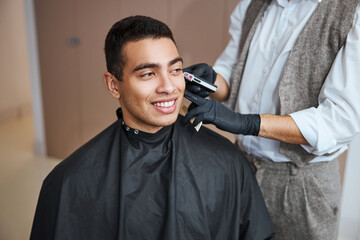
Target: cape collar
x=136, y=134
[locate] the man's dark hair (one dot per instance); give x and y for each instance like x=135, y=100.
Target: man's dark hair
x=130, y=29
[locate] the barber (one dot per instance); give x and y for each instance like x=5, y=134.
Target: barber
x=290, y=78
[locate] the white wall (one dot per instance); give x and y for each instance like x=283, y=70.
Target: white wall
x=15, y=97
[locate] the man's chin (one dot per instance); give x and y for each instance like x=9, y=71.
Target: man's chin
x=168, y=120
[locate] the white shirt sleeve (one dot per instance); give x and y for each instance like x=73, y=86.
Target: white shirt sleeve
x=226, y=62
x=336, y=121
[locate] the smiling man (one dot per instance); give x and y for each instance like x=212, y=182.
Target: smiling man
x=152, y=85
x=149, y=175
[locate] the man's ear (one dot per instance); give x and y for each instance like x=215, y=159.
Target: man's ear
x=112, y=84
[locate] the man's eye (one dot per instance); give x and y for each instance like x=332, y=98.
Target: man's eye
x=147, y=75
x=176, y=71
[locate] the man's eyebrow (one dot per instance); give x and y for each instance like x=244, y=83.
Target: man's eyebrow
x=155, y=65
x=146, y=65
x=178, y=59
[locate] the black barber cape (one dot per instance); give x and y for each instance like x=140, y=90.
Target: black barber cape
x=174, y=184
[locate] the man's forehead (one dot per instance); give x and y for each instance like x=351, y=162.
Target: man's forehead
x=157, y=51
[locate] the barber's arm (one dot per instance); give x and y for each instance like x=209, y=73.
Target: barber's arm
x=223, y=90
x=282, y=128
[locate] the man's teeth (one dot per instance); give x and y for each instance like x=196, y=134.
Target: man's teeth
x=164, y=104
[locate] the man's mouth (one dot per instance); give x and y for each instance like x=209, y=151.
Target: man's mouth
x=164, y=104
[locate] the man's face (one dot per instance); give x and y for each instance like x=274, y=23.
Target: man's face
x=152, y=88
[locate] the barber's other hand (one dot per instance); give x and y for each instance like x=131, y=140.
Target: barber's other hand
x=203, y=71
x=211, y=111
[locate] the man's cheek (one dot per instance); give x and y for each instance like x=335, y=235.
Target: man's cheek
x=181, y=84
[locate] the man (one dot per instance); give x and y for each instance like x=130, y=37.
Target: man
x=149, y=176
x=294, y=89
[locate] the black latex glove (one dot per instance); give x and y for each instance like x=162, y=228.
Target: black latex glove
x=203, y=71
x=211, y=111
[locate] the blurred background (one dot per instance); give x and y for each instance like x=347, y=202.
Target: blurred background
x=53, y=99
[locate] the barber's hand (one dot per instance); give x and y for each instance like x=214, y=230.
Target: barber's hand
x=211, y=111
x=203, y=71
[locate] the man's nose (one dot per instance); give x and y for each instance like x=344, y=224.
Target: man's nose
x=166, y=84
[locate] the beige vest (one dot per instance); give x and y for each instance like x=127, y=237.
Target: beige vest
x=308, y=64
